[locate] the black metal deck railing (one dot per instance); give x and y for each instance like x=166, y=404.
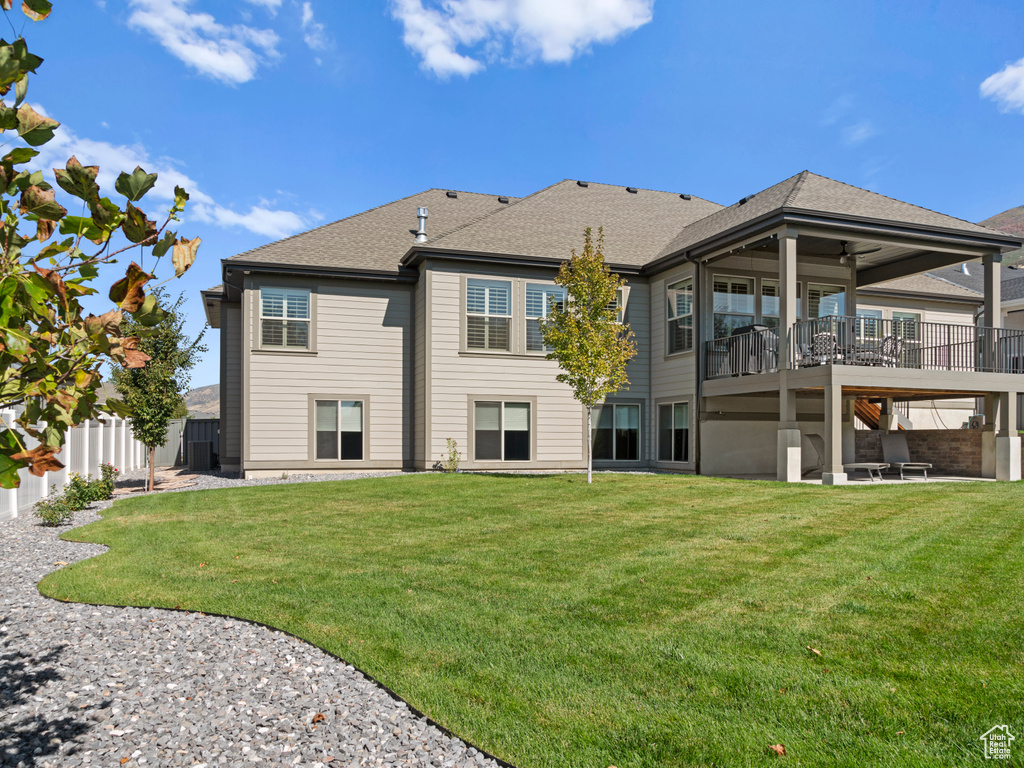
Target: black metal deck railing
x=868, y=341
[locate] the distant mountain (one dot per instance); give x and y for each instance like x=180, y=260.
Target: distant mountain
x=204, y=402
x=1011, y=222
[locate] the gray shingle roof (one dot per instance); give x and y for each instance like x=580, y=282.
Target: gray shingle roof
x=550, y=223
x=375, y=239
x=924, y=283
x=1012, y=286
x=813, y=193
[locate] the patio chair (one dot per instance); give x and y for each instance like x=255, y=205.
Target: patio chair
x=897, y=455
x=887, y=354
x=825, y=348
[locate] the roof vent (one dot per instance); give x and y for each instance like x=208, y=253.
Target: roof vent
x=631, y=190
x=421, y=233
x=582, y=183
x=451, y=194
x=743, y=200
x=503, y=199
x=686, y=197
x=964, y=270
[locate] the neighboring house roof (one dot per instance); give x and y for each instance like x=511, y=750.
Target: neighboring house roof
x=924, y=283
x=974, y=279
x=550, y=223
x=374, y=240
x=809, y=192
x=1012, y=222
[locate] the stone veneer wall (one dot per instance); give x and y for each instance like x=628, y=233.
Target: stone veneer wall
x=949, y=451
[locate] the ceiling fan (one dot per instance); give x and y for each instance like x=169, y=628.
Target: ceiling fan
x=844, y=255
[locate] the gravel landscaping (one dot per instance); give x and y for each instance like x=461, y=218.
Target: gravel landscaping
x=86, y=685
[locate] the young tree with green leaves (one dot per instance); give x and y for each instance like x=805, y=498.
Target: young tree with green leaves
x=587, y=340
x=51, y=350
x=155, y=392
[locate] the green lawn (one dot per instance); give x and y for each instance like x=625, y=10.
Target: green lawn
x=643, y=621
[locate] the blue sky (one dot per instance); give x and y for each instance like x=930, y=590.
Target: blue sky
x=279, y=115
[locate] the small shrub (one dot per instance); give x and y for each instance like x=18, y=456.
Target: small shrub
x=450, y=462
x=54, y=510
x=80, y=492
x=110, y=473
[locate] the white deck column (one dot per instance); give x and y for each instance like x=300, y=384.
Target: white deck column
x=1008, y=441
x=787, y=299
x=788, y=455
x=832, y=473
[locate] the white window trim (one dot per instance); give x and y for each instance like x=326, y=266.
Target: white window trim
x=670, y=316
x=308, y=320
x=467, y=313
x=527, y=317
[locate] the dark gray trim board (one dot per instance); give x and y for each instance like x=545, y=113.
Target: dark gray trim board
x=230, y=266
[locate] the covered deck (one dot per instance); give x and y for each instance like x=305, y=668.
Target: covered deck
x=778, y=276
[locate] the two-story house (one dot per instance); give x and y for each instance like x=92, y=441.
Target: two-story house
x=366, y=343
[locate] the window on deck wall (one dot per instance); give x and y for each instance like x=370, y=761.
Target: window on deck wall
x=679, y=300
x=284, y=318
x=771, y=302
x=733, y=304
x=674, y=432
x=906, y=325
x=825, y=300
x=540, y=301
x=488, y=314
x=616, y=432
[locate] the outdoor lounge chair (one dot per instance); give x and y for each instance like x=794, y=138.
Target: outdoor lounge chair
x=897, y=455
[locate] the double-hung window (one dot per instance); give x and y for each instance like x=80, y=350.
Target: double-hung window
x=540, y=301
x=674, y=432
x=339, y=429
x=284, y=318
x=679, y=328
x=616, y=433
x=501, y=431
x=488, y=314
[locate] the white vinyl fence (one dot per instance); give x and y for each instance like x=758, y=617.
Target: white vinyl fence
x=102, y=441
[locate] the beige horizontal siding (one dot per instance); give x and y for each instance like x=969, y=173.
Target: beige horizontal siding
x=363, y=343
x=453, y=377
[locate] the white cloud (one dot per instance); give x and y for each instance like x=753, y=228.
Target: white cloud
x=270, y=5
x=262, y=221
x=1006, y=87
x=858, y=133
x=313, y=32
x=551, y=30
x=114, y=158
x=230, y=54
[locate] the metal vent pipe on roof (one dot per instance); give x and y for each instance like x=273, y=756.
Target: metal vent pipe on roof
x=964, y=270
x=421, y=233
